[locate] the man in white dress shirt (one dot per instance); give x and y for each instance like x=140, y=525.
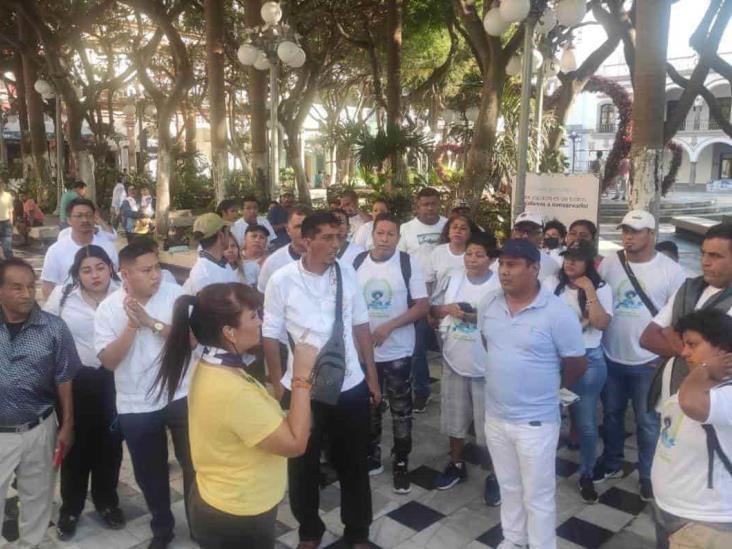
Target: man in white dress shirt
x=60, y=256
x=300, y=301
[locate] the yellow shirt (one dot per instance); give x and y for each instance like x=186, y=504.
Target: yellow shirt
x=229, y=413
x=6, y=205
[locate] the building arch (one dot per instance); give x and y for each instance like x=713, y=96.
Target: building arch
x=706, y=143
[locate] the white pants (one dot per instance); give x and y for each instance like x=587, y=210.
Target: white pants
x=29, y=456
x=524, y=461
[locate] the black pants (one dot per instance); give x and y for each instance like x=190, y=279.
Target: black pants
x=215, y=529
x=395, y=379
x=347, y=428
x=97, y=449
x=147, y=442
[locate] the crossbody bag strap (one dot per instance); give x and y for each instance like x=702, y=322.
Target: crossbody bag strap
x=338, y=323
x=636, y=285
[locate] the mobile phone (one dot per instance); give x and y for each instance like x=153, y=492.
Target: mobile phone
x=58, y=455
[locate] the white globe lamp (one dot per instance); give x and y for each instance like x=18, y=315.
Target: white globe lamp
x=494, y=24
x=286, y=51
x=571, y=12
x=514, y=11
x=568, y=61
x=247, y=54
x=298, y=59
x=42, y=87
x=262, y=63
x=547, y=21
x=513, y=67
x=271, y=13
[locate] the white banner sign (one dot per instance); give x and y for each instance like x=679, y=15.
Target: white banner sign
x=563, y=197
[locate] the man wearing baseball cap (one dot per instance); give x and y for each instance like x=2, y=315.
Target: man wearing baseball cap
x=643, y=281
x=211, y=267
x=529, y=226
x=534, y=346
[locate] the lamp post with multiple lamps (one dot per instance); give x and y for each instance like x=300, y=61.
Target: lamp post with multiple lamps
x=265, y=48
x=534, y=15
x=574, y=137
x=48, y=92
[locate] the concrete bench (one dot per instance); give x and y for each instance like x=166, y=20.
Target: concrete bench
x=692, y=227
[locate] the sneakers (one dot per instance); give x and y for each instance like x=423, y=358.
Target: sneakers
x=600, y=474
x=646, y=489
x=505, y=544
x=587, y=489
x=492, y=492
x=401, y=477
x=420, y=403
x=453, y=473
x=66, y=526
x=113, y=518
x=375, y=466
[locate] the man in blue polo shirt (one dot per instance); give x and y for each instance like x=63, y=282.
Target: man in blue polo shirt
x=534, y=346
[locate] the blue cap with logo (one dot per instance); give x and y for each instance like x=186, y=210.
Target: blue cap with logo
x=520, y=247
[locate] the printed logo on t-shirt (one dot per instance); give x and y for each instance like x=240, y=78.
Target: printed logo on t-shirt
x=627, y=301
x=378, y=295
x=669, y=435
x=428, y=238
x=463, y=330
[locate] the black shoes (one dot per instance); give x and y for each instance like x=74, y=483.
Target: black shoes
x=420, y=404
x=587, y=489
x=113, y=518
x=160, y=543
x=401, y=477
x=66, y=526
x=646, y=489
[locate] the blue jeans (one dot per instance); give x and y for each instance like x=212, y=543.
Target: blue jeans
x=420, y=369
x=588, y=388
x=6, y=238
x=623, y=383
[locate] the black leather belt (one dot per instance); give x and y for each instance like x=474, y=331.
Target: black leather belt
x=26, y=426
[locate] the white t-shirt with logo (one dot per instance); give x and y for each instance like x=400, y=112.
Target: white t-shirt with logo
x=136, y=373
x=462, y=347
x=301, y=303
x=660, y=278
x=680, y=464
x=592, y=336
x=385, y=294
x=419, y=239
x=442, y=261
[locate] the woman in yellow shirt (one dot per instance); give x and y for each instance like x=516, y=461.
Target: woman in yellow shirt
x=239, y=436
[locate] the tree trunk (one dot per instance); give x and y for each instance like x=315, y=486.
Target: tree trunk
x=394, y=15
x=164, y=174
x=25, y=143
x=649, y=102
x=561, y=113
x=257, y=94
x=480, y=153
x=34, y=104
x=81, y=158
x=294, y=146
x=214, y=15
x=190, y=122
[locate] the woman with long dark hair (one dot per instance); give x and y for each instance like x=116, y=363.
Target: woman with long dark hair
x=239, y=437
x=97, y=449
x=581, y=287
x=448, y=254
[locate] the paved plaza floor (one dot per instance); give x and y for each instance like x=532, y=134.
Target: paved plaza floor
x=425, y=518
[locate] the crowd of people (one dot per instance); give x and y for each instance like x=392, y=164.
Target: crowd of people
x=295, y=333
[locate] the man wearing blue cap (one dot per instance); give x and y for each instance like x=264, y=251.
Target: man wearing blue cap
x=534, y=346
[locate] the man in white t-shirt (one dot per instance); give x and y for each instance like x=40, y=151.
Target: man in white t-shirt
x=130, y=327
x=249, y=211
x=287, y=254
x=211, y=266
x=394, y=305
x=530, y=226
x=630, y=368
x=418, y=238
x=60, y=256
x=711, y=290
x=363, y=236
x=693, y=485
x=348, y=251
x=356, y=218
x=300, y=301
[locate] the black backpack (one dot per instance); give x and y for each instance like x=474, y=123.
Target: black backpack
x=404, y=264
x=714, y=448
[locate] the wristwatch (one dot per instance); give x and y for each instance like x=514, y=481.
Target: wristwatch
x=158, y=327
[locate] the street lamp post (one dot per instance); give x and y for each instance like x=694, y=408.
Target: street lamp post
x=574, y=136
x=265, y=48
x=48, y=92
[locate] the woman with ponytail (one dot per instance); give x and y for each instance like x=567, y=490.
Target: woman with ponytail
x=239, y=437
x=97, y=450
x=581, y=287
